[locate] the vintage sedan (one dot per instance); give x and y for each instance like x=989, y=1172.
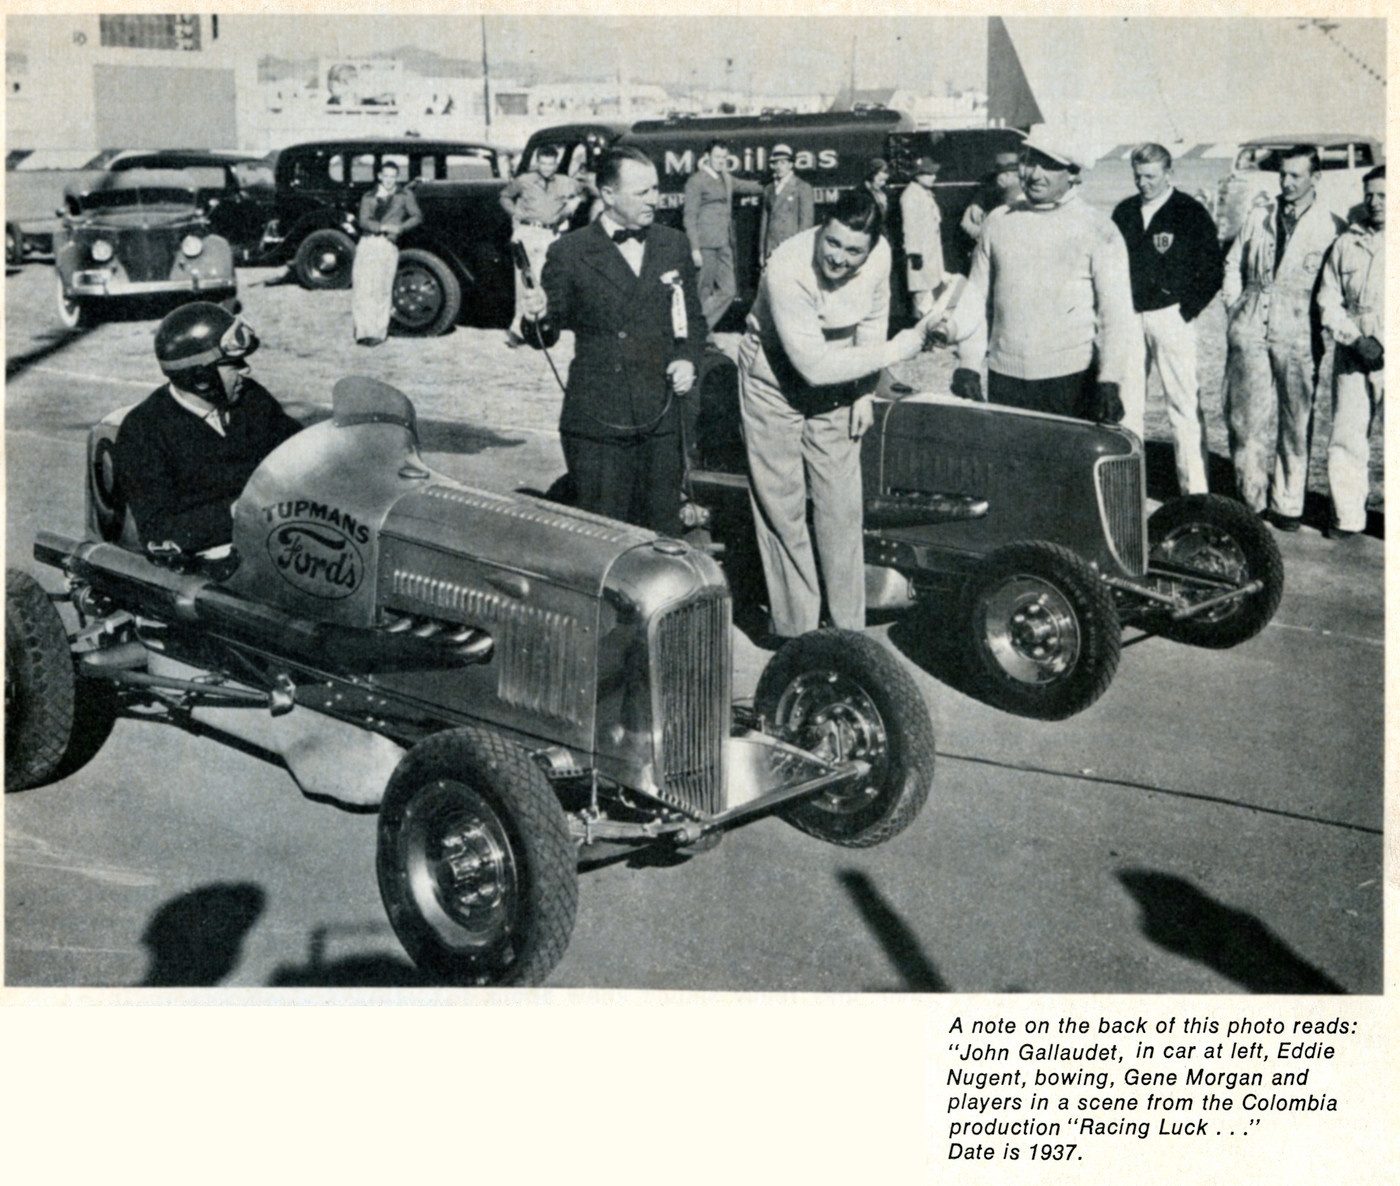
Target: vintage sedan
x=1023, y=540
x=235, y=190
x=137, y=234
x=516, y=685
x=1254, y=178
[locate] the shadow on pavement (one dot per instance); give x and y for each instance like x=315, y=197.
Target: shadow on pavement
x=928, y=639
x=1180, y=919
x=898, y=941
x=196, y=940
x=354, y=971
x=51, y=343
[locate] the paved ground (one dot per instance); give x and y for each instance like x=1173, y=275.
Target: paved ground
x=1212, y=824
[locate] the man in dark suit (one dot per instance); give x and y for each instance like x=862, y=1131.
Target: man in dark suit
x=626, y=287
x=1175, y=265
x=789, y=204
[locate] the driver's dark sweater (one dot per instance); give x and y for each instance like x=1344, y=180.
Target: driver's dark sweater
x=180, y=477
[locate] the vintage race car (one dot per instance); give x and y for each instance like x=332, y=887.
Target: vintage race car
x=140, y=233
x=514, y=684
x=1025, y=534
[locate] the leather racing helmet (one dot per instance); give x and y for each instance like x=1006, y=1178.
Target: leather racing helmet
x=192, y=340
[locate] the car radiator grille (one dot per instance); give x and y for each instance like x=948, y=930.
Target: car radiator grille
x=1120, y=486
x=147, y=255
x=691, y=674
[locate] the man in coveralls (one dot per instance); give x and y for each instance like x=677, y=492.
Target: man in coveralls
x=1351, y=300
x=1271, y=272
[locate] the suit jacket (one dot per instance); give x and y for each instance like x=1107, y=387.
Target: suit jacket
x=784, y=214
x=1175, y=259
x=402, y=212
x=708, y=214
x=623, y=333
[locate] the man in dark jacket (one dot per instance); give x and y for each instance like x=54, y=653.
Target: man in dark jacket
x=626, y=287
x=185, y=453
x=1175, y=265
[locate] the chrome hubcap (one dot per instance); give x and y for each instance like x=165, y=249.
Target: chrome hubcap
x=830, y=715
x=1031, y=630
x=460, y=866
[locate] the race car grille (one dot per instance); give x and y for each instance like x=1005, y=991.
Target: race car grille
x=691, y=676
x=1120, y=489
x=146, y=255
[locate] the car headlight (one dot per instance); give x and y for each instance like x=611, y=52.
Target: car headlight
x=101, y=251
x=192, y=245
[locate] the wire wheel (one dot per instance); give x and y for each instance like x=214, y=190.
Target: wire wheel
x=842, y=697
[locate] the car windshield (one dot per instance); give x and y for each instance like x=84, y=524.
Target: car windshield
x=132, y=199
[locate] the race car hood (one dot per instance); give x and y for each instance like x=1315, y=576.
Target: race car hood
x=345, y=522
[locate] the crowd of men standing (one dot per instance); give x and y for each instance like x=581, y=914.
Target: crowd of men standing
x=1068, y=309
x=1072, y=311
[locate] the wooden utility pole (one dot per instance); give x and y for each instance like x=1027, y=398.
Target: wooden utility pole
x=485, y=75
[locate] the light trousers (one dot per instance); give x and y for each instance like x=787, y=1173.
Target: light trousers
x=790, y=454
x=1170, y=346
x=372, y=278
x=1269, y=403
x=1356, y=398
x=536, y=241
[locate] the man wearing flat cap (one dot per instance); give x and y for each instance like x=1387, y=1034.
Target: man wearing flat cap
x=923, y=235
x=789, y=204
x=1054, y=271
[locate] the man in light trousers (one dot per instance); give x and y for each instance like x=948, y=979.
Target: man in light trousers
x=1351, y=301
x=1271, y=362
x=808, y=364
x=1174, y=264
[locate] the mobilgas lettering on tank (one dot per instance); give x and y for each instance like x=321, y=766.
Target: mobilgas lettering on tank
x=829, y=149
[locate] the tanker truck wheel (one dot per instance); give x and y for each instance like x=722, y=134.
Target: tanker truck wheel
x=476, y=867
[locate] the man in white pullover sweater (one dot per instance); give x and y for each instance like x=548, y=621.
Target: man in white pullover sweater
x=1055, y=273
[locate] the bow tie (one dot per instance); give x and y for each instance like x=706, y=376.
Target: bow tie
x=639, y=234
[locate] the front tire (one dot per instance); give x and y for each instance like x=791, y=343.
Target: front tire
x=325, y=259
x=841, y=695
x=73, y=312
x=1220, y=539
x=427, y=296
x=476, y=868
x=1042, y=631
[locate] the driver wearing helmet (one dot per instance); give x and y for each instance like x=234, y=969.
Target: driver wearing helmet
x=185, y=452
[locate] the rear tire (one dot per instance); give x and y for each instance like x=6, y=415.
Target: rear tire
x=1042, y=631
x=427, y=296
x=325, y=259
x=1222, y=539
x=842, y=696
x=55, y=720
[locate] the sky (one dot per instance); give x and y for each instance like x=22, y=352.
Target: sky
x=773, y=54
